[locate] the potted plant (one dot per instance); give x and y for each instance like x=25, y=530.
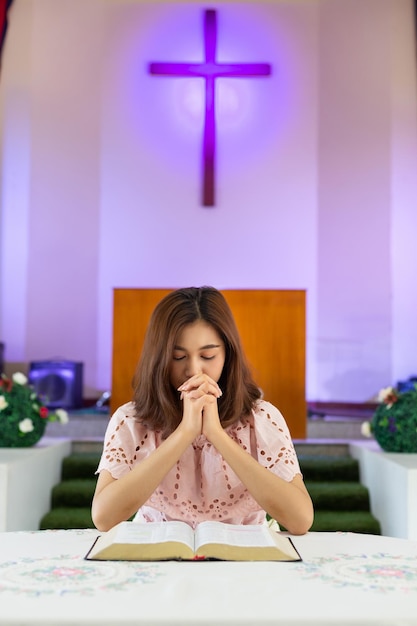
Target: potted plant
x=394, y=423
x=23, y=417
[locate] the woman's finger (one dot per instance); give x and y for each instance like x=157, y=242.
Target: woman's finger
x=201, y=381
x=202, y=390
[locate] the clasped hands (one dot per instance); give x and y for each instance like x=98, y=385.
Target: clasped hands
x=200, y=411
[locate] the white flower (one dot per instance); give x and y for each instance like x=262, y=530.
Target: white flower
x=19, y=378
x=26, y=425
x=385, y=393
x=62, y=416
x=3, y=403
x=366, y=429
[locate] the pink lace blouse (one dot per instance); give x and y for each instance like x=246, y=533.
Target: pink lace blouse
x=202, y=486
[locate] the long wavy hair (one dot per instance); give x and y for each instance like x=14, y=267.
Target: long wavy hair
x=157, y=403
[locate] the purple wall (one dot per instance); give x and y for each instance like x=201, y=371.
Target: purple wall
x=101, y=175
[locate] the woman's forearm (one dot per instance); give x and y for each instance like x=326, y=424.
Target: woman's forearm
x=117, y=500
x=287, y=502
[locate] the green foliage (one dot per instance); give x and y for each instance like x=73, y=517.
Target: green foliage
x=394, y=424
x=23, y=417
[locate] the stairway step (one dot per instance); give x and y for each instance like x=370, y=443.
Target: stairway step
x=92, y=445
x=338, y=496
x=346, y=521
x=341, y=503
x=75, y=493
x=322, y=447
x=80, y=465
x=65, y=518
x=329, y=468
x=330, y=496
x=324, y=521
x=313, y=467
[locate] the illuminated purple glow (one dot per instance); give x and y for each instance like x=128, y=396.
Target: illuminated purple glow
x=210, y=69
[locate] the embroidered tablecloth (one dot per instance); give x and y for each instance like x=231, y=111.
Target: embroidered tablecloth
x=344, y=579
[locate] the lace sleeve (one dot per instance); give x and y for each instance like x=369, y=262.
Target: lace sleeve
x=275, y=447
x=125, y=442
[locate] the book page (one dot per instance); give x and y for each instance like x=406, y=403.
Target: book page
x=142, y=542
x=131, y=541
x=231, y=542
x=254, y=535
x=157, y=532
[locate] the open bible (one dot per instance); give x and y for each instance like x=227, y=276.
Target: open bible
x=158, y=541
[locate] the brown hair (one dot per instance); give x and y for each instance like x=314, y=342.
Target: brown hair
x=157, y=403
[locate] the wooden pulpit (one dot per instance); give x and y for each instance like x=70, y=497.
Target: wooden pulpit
x=271, y=324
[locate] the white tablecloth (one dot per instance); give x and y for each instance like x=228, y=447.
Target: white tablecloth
x=344, y=579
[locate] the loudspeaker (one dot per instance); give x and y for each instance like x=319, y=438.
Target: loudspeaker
x=59, y=384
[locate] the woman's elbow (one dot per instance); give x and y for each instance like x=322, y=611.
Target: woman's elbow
x=300, y=527
x=301, y=524
x=101, y=526
x=100, y=519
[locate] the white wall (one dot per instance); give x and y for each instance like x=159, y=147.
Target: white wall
x=101, y=175
x=354, y=186
x=391, y=479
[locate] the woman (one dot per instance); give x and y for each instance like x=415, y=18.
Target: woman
x=197, y=442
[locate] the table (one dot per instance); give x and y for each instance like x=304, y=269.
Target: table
x=344, y=579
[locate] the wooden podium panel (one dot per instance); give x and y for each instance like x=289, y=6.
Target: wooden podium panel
x=271, y=324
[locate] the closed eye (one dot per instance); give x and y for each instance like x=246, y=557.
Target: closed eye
x=205, y=358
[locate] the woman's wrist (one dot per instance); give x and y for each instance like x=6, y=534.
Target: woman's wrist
x=186, y=432
x=215, y=434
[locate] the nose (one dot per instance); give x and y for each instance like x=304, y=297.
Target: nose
x=193, y=367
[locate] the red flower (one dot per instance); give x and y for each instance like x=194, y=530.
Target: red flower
x=7, y=384
x=43, y=412
x=390, y=399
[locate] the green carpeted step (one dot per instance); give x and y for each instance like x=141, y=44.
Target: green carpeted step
x=75, y=493
x=330, y=521
x=328, y=468
x=346, y=521
x=341, y=503
x=313, y=467
x=338, y=496
x=64, y=518
x=80, y=465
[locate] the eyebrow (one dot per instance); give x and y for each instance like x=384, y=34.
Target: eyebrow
x=207, y=347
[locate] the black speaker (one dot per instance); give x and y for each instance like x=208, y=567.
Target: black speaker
x=59, y=384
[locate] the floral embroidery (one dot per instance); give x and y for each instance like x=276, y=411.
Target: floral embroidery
x=64, y=575
x=377, y=572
